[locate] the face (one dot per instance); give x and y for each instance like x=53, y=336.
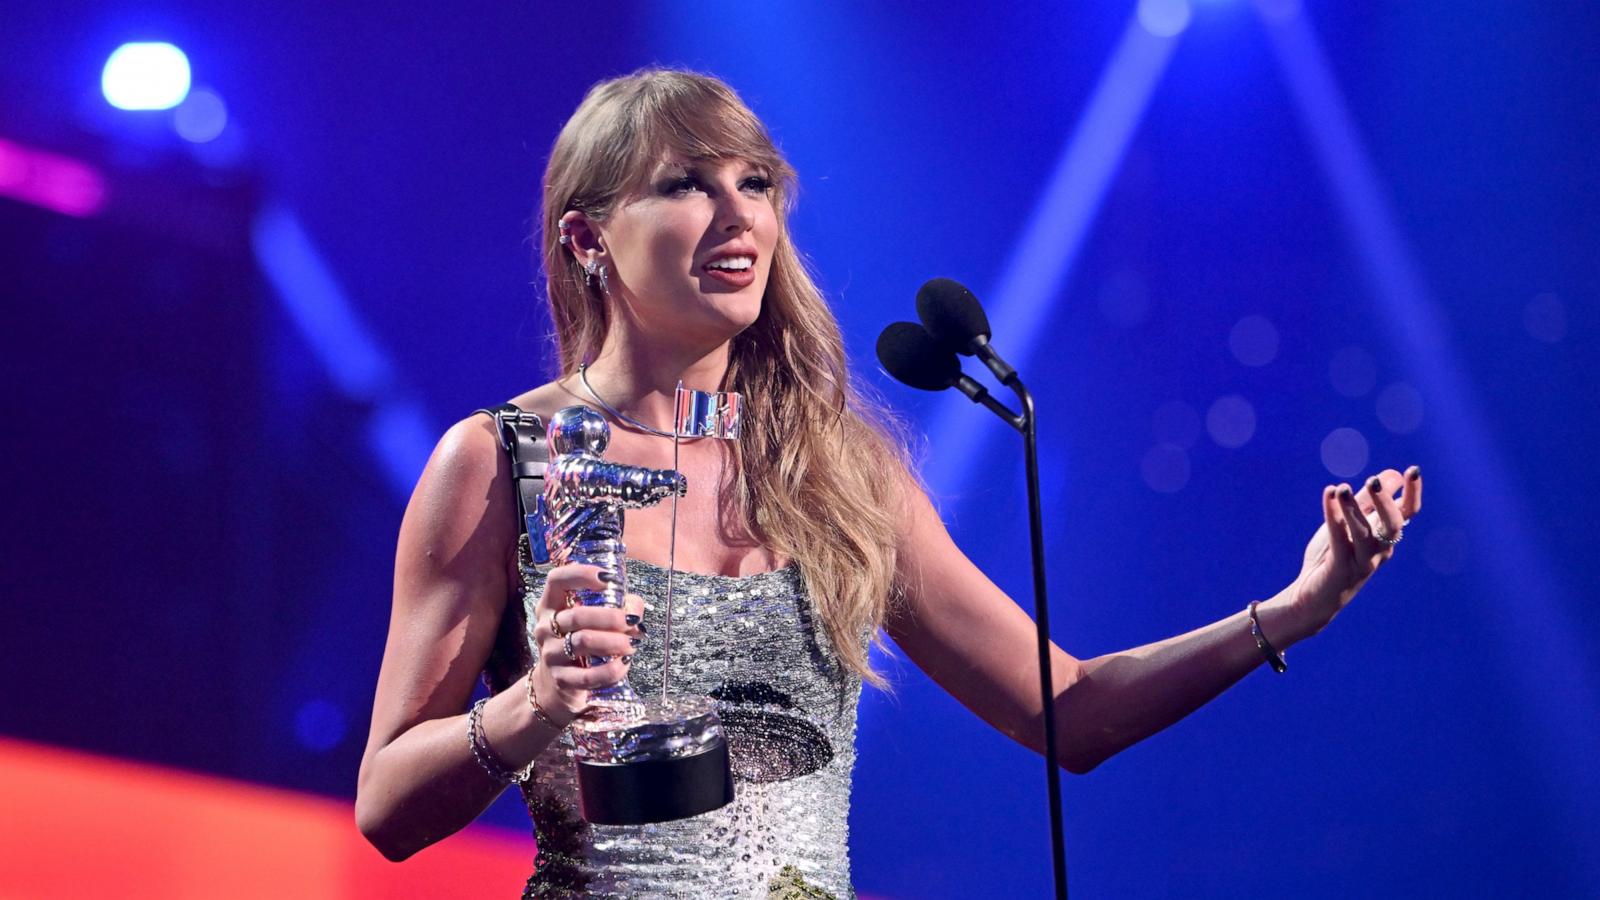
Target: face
x=691, y=253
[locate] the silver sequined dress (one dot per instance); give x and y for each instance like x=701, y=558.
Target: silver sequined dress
x=789, y=710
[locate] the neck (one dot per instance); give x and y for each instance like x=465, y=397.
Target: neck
x=639, y=375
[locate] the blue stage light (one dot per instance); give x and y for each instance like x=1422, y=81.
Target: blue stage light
x=145, y=75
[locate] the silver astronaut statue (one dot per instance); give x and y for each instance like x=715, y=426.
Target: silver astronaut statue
x=639, y=759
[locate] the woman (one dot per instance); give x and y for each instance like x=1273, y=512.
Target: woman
x=667, y=257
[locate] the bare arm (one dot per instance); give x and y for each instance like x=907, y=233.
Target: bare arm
x=419, y=781
x=977, y=644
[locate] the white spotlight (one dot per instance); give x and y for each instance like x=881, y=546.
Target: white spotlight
x=147, y=75
x=1164, y=18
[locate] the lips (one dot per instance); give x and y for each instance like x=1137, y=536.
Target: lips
x=733, y=267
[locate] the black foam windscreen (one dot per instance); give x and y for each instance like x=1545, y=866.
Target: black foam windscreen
x=912, y=356
x=952, y=314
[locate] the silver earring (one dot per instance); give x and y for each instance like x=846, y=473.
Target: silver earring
x=566, y=233
x=589, y=272
x=605, y=286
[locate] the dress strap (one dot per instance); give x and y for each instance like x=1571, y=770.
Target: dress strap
x=522, y=437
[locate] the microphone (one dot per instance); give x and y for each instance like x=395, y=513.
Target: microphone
x=924, y=356
x=912, y=355
x=955, y=318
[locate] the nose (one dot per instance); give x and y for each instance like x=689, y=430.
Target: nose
x=736, y=213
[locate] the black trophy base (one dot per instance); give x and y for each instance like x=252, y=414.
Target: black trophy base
x=661, y=790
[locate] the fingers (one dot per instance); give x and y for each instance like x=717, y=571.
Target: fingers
x=1389, y=518
x=563, y=580
x=1388, y=480
x=581, y=618
x=574, y=678
x=1411, y=495
x=1354, y=519
x=1338, y=532
x=585, y=644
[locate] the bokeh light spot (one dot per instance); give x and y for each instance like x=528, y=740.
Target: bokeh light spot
x=1253, y=341
x=1353, y=371
x=319, y=725
x=1176, y=422
x=1231, y=421
x=1345, y=452
x=1545, y=318
x=1165, y=468
x=1400, y=408
x=145, y=75
x=200, y=118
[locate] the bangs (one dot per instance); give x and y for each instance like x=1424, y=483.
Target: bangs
x=696, y=120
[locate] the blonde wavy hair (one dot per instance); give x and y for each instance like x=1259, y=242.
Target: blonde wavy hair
x=819, y=481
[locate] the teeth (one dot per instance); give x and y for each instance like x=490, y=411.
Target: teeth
x=733, y=263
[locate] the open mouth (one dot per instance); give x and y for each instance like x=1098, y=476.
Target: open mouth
x=737, y=270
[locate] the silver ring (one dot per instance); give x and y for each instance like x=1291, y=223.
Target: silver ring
x=566, y=647
x=1385, y=540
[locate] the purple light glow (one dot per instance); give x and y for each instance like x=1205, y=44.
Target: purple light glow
x=51, y=181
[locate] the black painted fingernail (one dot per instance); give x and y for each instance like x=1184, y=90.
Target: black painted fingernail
x=1344, y=490
x=631, y=619
x=643, y=629
x=1375, y=485
x=635, y=641
x=607, y=577
x=1416, y=471
x=627, y=660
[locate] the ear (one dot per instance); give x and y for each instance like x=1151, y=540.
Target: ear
x=584, y=238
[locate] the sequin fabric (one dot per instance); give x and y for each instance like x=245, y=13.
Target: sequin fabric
x=789, y=711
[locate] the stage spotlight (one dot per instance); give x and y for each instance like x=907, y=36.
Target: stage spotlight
x=1164, y=18
x=145, y=75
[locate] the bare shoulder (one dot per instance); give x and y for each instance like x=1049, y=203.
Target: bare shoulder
x=462, y=506
x=547, y=399
x=465, y=489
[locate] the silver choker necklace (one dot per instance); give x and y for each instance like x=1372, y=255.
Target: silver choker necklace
x=583, y=375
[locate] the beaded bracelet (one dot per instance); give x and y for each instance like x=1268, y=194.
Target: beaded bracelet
x=486, y=758
x=1274, y=658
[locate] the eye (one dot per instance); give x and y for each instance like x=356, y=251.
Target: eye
x=682, y=184
x=759, y=184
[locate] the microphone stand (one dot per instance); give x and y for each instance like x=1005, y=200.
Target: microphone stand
x=1027, y=423
x=1041, y=615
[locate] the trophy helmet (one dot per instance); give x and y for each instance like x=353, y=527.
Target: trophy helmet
x=577, y=429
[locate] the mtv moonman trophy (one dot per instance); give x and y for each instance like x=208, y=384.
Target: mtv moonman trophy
x=639, y=759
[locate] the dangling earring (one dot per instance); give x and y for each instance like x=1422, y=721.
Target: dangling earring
x=589, y=269
x=605, y=286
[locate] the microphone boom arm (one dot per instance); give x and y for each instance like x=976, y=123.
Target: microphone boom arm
x=977, y=393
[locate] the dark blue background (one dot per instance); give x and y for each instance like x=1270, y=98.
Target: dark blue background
x=1438, y=739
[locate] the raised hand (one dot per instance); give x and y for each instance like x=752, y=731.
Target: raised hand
x=1359, y=532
